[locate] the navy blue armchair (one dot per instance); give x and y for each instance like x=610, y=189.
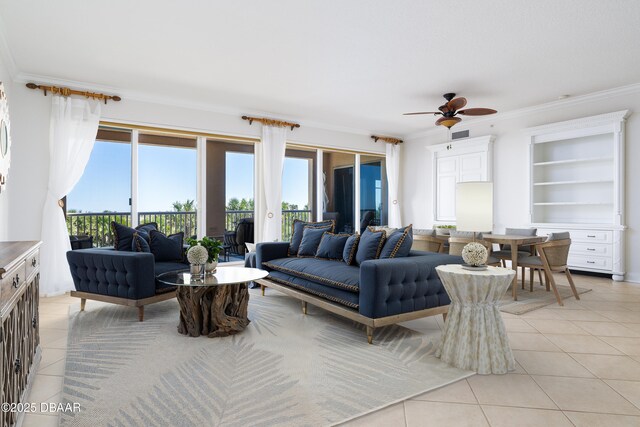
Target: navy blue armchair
x=119, y=277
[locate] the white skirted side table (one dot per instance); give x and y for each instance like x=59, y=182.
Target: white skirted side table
x=474, y=335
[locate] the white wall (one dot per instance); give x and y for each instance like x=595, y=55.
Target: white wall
x=511, y=169
x=4, y=197
x=30, y=162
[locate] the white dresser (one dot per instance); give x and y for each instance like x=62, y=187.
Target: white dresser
x=577, y=185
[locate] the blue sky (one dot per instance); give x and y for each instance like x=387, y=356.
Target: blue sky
x=166, y=175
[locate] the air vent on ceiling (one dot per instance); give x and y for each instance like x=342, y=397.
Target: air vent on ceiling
x=460, y=134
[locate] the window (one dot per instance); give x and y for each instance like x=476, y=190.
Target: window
x=339, y=190
x=373, y=190
x=167, y=183
x=103, y=193
x=297, y=188
x=238, y=188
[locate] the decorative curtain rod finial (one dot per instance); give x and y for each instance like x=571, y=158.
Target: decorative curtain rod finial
x=387, y=139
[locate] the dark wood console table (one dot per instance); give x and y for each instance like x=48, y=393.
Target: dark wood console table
x=19, y=331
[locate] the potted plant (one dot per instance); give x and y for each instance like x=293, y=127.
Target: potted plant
x=213, y=247
x=444, y=230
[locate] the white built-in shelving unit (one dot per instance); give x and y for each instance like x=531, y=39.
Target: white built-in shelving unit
x=577, y=185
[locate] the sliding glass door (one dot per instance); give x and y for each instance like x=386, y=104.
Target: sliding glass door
x=373, y=190
x=167, y=183
x=103, y=193
x=339, y=190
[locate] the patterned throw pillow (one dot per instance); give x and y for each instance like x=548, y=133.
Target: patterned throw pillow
x=139, y=244
x=311, y=237
x=370, y=245
x=332, y=246
x=298, y=228
x=398, y=244
x=350, y=248
x=123, y=235
x=166, y=248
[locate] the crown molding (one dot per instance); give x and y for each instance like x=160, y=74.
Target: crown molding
x=549, y=106
x=5, y=52
x=150, y=98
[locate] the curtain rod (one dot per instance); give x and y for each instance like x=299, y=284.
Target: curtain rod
x=65, y=91
x=270, y=122
x=388, y=139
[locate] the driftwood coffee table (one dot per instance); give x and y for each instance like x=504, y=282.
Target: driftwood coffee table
x=215, y=305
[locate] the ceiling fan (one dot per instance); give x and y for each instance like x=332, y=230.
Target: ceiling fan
x=451, y=109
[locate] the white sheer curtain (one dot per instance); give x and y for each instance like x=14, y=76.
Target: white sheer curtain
x=74, y=125
x=271, y=153
x=393, y=178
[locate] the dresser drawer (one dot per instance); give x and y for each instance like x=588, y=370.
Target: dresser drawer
x=595, y=262
x=12, y=281
x=598, y=236
x=32, y=263
x=591, y=249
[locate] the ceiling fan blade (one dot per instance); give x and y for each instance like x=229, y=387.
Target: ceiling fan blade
x=477, y=111
x=444, y=108
x=448, y=121
x=422, y=112
x=457, y=103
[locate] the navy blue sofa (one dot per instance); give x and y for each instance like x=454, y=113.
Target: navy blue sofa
x=378, y=292
x=120, y=277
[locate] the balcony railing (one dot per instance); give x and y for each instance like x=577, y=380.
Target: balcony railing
x=98, y=225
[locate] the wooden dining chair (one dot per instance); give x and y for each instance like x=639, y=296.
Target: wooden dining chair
x=425, y=242
x=456, y=244
x=553, y=255
x=504, y=254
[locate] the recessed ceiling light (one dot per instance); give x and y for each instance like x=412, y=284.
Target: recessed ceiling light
x=563, y=96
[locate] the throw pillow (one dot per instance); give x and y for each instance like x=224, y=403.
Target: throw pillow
x=370, y=245
x=139, y=244
x=123, y=235
x=398, y=244
x=298, y=228
x=350, y=248
x=332, y=246
x=166, y=248
x=311, y=237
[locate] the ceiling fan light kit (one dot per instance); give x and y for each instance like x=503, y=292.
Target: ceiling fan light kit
x=451, y=109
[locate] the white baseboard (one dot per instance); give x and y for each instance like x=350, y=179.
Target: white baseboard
x=632, y=277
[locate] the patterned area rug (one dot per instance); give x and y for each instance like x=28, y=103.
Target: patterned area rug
x=529, y=301
x=284, y=369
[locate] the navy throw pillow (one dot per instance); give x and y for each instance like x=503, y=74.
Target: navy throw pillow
x=350, y=248
x=311, y=237
x=298, y=228
x=166, y=248
x=139, y=244
x=332, y=245
x=398, y=244
x=370, y=245
x=123, y=235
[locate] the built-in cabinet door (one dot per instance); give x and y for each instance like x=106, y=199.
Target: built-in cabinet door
x=450, y=171
x=447, y=177
x=473, y=167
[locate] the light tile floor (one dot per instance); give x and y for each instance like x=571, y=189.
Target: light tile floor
x=577, y=365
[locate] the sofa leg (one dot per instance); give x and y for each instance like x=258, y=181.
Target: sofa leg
x=370, y=334
x=141, y=313
x=262, y=288
x=83, y=302
x=304, y=307
x=444, y=317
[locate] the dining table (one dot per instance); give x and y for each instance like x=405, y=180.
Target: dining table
x=515, y=241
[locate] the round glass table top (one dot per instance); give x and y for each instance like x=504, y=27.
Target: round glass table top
x=222, y=276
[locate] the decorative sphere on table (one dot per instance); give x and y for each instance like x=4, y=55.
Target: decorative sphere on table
x=197, y=255
x=475, y=254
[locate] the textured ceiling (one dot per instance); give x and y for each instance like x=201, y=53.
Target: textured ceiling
x=356, y=63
